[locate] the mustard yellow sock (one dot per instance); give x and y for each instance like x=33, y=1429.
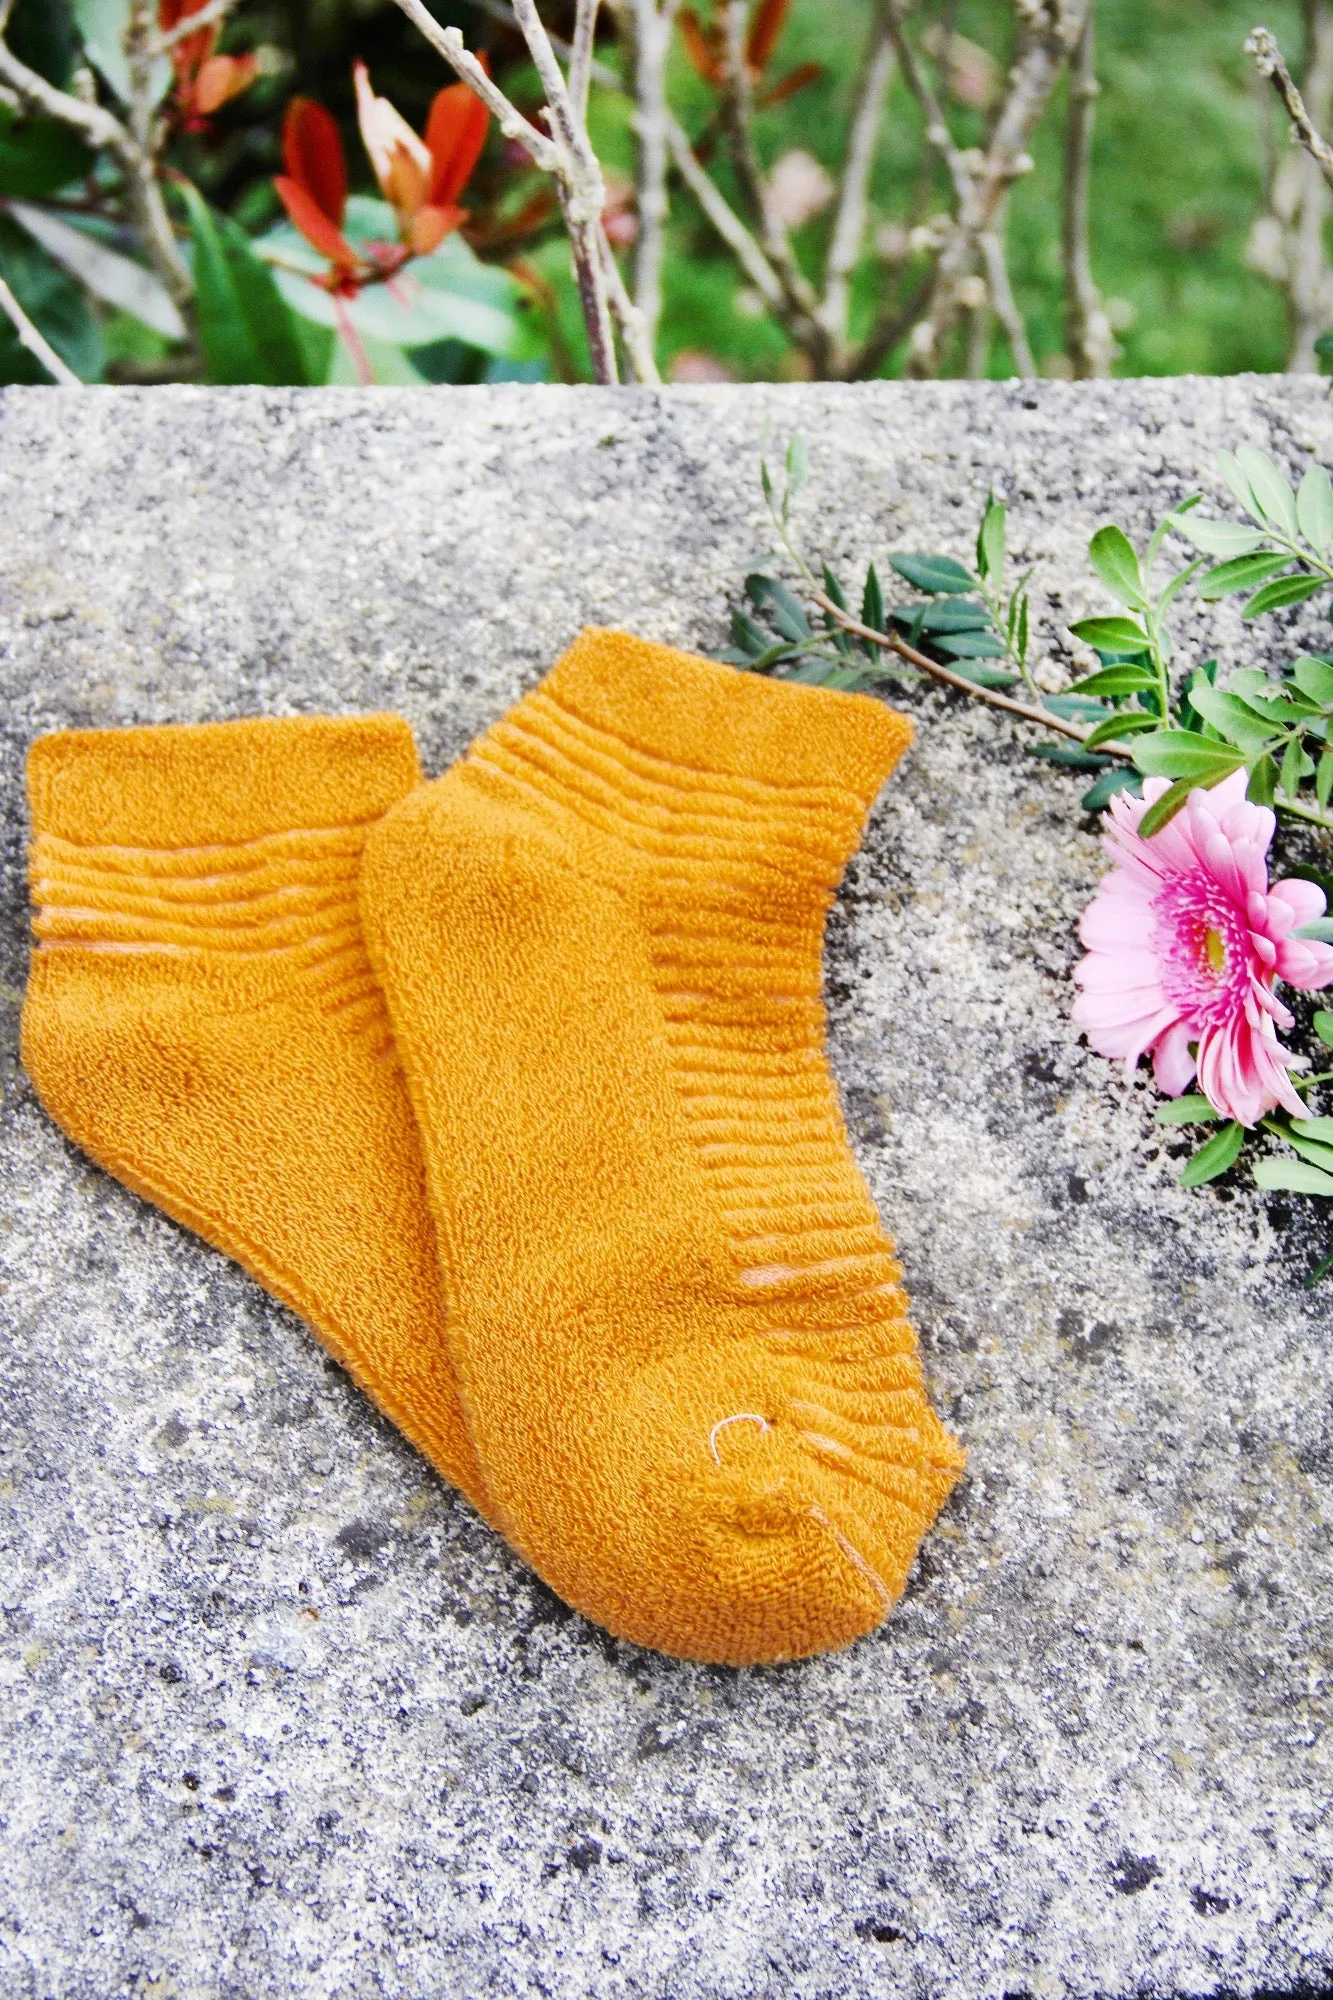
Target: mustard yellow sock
x=677, y=1323
x=202, y=1019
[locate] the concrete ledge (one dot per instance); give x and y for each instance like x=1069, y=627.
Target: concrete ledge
x=279, y=1716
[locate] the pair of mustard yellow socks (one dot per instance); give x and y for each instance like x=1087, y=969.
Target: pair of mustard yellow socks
x=513, y=1086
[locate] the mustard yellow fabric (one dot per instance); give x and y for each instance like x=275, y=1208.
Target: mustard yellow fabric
x=202, y=1019
x=677, y=1323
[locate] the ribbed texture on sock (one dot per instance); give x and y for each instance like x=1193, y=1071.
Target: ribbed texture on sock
x=735, y=804
x=202, y=1019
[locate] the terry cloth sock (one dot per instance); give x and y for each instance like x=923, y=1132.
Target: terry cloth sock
x=202, y=1019
x=677, y=1323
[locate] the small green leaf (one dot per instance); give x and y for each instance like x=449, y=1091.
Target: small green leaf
x=1323, y=783
x=1262, y=788
x=1320, y=931
x=1192, y=1110
x=983, y=673
x=1309, y=1147
x=1112, y=555
x=1286, y=591
x=1293, y=767
x=749, y=637
x=1115, y=633
x=1292, y=1177
x=940, y=575
x=1314, y=1128
x=952, y=614
x=1323, y=1027
x=1271, y=489
x=1314, y=677
x=1215, y=1156
x=1218, y=538
x=1245, y=573
x=1129, y=722
x=1229, y=714
x=990, y=539
x=787, y=612
x=1164, y=810
x=1074, y=707
x=1023, y=634
x=1117, y=779
x=1181, y=753
x=1325, y=1264
x=798, y=464
x=1115, y=681
x=872, y=601
x=1236, y=478
x=969, y=645
x=833, y=590
x=1074, y=758
x=38, y=157
x=1314, y=509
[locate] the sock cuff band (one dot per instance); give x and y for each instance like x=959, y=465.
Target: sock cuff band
x=696, y=712
x=199, y=784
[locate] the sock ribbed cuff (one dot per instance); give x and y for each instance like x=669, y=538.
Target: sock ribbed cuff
x=696, y=713
x=200, y=784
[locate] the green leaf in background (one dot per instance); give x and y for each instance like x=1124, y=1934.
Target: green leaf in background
x=1320, y=931
x=1308, y=1145
x=1315, y=678
x=1117, y=779
x=1163, y=810
x=1314, y=509
x=969, y=645
x=1295, y=766
x=1115, y=634
x=1192, y=1110
x=1181, y=753
x=1323, y=784
x=982, y=673
x=769, y=593
x=1323, y=1027
x=1242, y=573
x=1262, y=788
x=1218, y=538
x=1114, y=681
x=1073, y=757
x=939, y=575
x=1291, y=1177
x=1272, y=491
x=1113, y=557
x=245, y=329
x=1233, y=472
x=953, y=614
x=80, y=247
x=38, y=157
x=1130, y=722
x=104, y=26
x=1215, y=1156
x=1315, y=1128
x=1229, y=714
x=872, y=601
x=55, y=305
x=798, y=464
x=990, y=539
x=1287, y=590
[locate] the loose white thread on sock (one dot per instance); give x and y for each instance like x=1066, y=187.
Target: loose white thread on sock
x=741, y=1417
x=855, y=1557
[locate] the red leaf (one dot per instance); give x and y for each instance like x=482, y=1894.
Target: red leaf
x=430, y=226
x=700, y=47
x=765, y=32
x=220, y=79
x=455, y=134
x=315, y=226
x=313, y=153
x=788, y=85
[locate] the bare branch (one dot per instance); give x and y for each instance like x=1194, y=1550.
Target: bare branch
x=849, y=225
x=448, y=42
x=1288, y=243
x=207, y=17
x=725, y=220
x=102, y=131
x=36, y=344
x=1002, y=299
x=630, y=320
x=1262, y=45
x=889, y=642
x=801, y=307
x=645, y=28
x=1088, y=337
x=1050, y=33
x=580, y=57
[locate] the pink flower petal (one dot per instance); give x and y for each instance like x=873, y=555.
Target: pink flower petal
x=1173, y=1064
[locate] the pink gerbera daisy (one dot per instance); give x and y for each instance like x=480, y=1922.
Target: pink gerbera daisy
x=1186, y=941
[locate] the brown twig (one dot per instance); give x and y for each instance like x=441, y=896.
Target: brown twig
x=1287, y=244
x=889, y=642
x=849, y=225
x=1089, y=341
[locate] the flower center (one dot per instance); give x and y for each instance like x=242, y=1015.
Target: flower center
x=1203, y=947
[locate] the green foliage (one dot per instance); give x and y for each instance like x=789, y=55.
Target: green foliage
x=54, y=303
x=245, y=329
x=38, y=157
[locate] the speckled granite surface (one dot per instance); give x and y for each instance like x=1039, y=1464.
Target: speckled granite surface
x=278, y=1716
